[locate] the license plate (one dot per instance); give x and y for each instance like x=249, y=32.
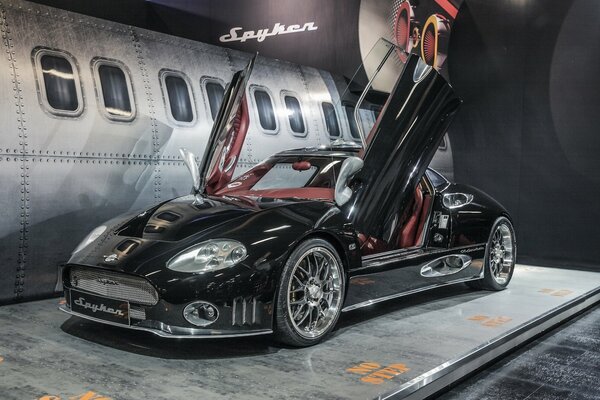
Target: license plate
x=100, y=307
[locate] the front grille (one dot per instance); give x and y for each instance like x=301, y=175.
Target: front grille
x=137, y=313
x=114, y=285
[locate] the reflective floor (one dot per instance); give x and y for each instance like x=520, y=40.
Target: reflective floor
x=45, y=354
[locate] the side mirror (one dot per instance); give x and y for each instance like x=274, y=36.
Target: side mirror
x=349, y=168
x=190, y=161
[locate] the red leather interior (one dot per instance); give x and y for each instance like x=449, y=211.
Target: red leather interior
x=422, y=219
x=301, y=166
x=409, y=231
x=311, y=193
x=219, y=178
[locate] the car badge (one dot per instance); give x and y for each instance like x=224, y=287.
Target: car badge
x=111, y=258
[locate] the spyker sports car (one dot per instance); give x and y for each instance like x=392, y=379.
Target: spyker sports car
x=307, y=234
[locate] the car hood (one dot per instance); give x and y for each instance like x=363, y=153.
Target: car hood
x=144, y=242
x=186, y=216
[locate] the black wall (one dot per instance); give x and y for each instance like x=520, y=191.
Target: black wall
x=528, y=132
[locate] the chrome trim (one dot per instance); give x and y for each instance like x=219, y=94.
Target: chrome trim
x=466, y=261
x=194, y=333
x=375, y=260
x=435, y=380
x=401, y=294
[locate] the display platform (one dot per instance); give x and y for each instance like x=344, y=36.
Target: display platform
x=410, y=347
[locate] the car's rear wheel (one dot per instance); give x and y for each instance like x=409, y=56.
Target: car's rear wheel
x=310, y=295
x=500, y=257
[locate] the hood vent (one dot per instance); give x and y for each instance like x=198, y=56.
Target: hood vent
x=153, y=229
x=127, y=246
x=168, y=216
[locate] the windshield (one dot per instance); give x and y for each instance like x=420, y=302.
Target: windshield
x=288, y=172
x=350, y=109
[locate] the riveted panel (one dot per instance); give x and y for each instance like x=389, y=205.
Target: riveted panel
x=69, y=197
x=193, y=62
x=11, y=226
x=89, y=133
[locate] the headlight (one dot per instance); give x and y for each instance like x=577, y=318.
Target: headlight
x=211, y=255
x=93, y=235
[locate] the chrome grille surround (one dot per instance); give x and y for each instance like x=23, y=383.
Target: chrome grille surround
x=114, y=285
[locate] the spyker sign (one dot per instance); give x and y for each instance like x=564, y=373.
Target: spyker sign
x=236, y=34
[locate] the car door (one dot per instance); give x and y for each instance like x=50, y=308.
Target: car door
x=400, y=147
x=228, y=133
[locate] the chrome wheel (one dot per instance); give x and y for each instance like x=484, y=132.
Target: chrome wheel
x=314, y=292
x=501, y=254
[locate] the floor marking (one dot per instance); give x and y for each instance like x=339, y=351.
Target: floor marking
x=361, y=281
x=490, y=321
x=85, y=396
x=555, y=292
x=375, y=373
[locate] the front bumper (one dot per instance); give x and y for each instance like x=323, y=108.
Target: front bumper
x=172, y=332
x=241, y=310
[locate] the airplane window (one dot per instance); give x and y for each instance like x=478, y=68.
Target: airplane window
x=331, y=121
x=59, y=82
x=294, y=113
x=215, y=92
x=115, y=91
x=178, y=98
x=266, y=113
x=353, y=127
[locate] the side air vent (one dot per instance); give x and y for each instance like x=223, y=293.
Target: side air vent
x=168, y=216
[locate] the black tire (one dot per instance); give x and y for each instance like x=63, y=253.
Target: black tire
x=489, y=282
x=286, y=331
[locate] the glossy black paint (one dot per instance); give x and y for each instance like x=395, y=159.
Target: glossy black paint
x=413, y=121
x=400, y=149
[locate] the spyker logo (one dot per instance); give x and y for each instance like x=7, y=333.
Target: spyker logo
x=472, y=249
x=95, y=307
x=260, y=35
x=105, y=281
x=111, y=258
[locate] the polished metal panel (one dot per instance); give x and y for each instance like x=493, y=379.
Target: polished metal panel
x=446, y=265
x=114, y=285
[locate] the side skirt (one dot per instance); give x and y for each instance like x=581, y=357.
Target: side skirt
x=409, y=292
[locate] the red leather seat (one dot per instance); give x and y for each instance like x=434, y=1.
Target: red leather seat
x=409, y=231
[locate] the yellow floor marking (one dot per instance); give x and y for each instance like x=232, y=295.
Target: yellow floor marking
x=488, y=321
x=375, y=373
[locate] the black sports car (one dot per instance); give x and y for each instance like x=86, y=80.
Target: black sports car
x=298, y=239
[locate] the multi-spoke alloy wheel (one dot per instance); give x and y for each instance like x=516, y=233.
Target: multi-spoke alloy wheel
x=500, y=257
x=311, y=293
x=314, y=292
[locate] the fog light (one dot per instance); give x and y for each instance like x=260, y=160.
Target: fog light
x=200, y=313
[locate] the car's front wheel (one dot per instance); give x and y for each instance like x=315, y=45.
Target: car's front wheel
x=310, y=295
